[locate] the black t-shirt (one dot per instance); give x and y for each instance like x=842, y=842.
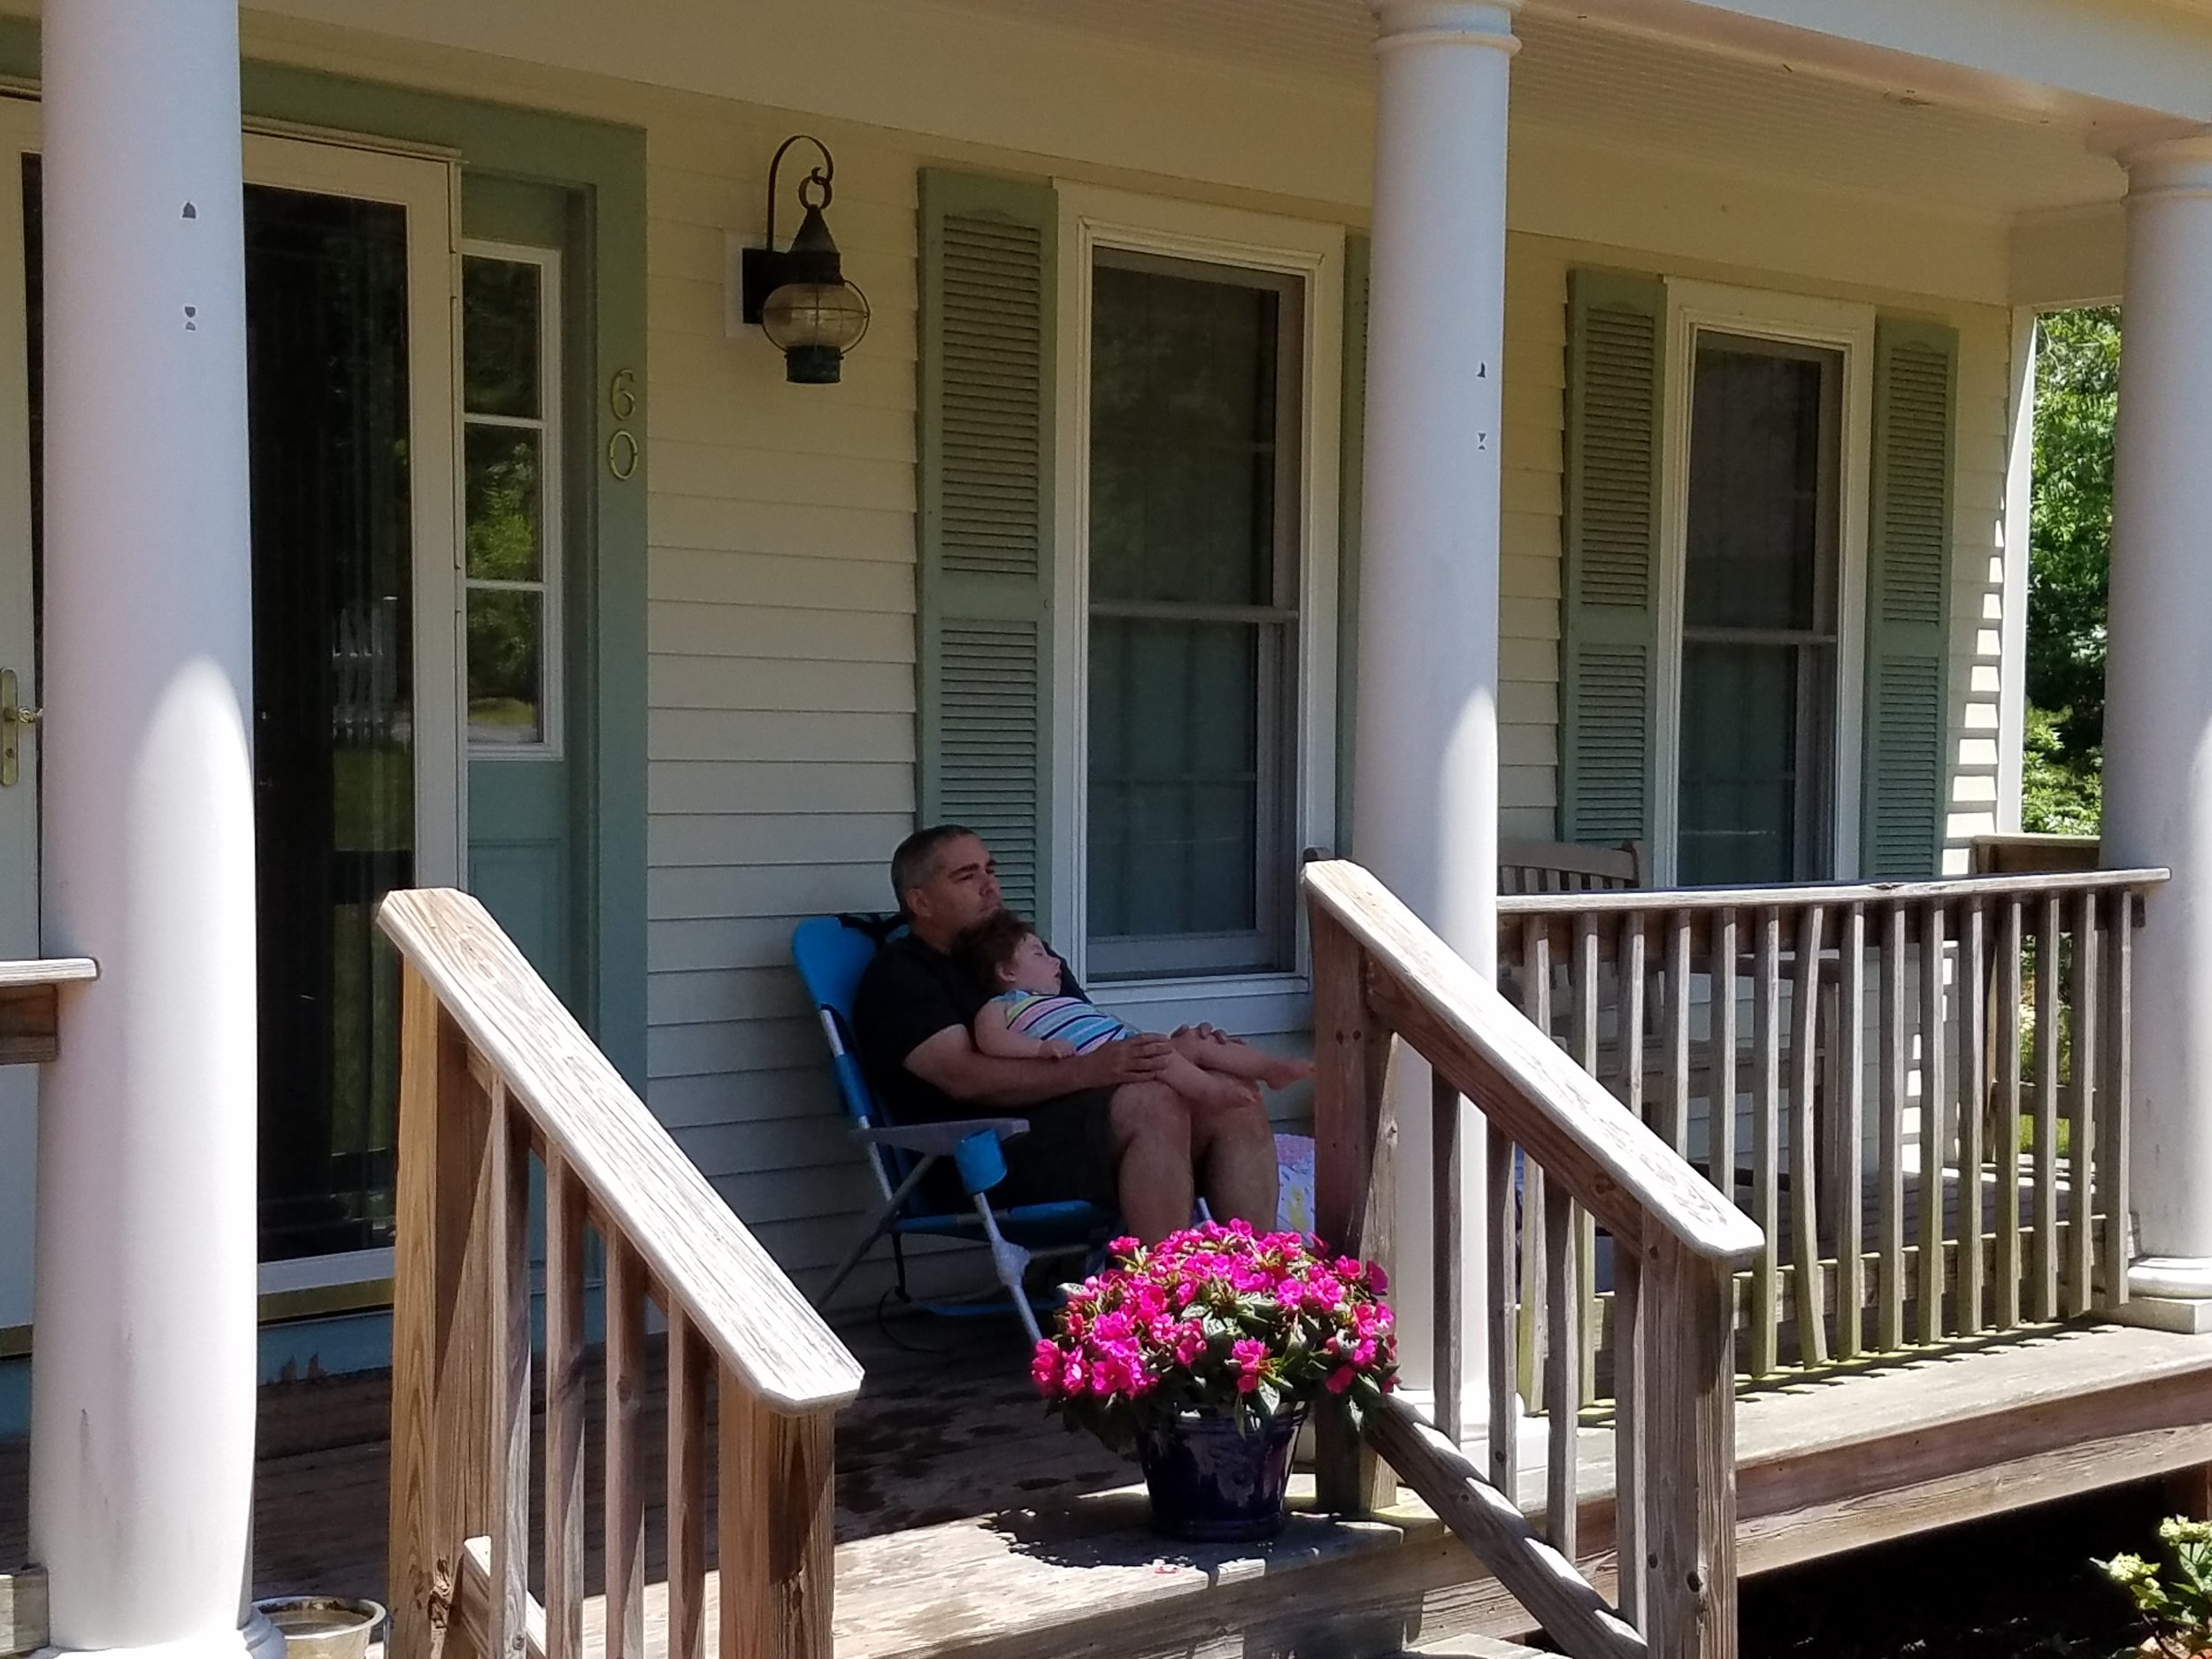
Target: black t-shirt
x=909, y=993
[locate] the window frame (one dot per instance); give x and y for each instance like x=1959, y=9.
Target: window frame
x=1312, y=253
x=1699, y=308
x=552, y=474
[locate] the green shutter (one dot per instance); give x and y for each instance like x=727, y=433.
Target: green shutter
x=1352, y=445
x=987, y=287
x=1609, y=606
x=1908, y=611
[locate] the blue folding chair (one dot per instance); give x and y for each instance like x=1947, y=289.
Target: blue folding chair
x=831, y=953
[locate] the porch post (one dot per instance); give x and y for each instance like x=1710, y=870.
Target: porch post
x=2158, y=709
x=143, y=1365
x=1426, y=818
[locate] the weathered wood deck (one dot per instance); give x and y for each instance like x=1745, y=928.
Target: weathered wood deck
x=969, y=1525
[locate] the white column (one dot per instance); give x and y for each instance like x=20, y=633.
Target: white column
x=1427, y=814
x=142, y=1381
x=2158, y=706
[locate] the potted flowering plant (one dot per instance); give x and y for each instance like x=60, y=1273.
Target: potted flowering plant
x=1204, y=1352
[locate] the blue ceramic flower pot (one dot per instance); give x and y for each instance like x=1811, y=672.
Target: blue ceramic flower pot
x=1211, y=1485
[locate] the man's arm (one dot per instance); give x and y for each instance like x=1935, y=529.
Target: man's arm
x=949, y=1061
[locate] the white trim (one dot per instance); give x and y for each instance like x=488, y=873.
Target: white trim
x=320, y=1272
x=2012, y=648
x=1091, y=219
x=552, y=471
x=1801, y=320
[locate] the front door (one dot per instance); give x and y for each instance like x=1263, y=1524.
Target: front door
x=350, y=280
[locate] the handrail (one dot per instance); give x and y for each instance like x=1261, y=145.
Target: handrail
x=1630, y=901
x=496, y=1079
x=1525, y=1084
x=1560, y=1153
x=756, y=1319
x=48, y=970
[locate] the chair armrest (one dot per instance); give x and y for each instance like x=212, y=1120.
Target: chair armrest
x=941, y=1139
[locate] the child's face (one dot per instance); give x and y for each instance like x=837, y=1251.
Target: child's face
x=1032, y=968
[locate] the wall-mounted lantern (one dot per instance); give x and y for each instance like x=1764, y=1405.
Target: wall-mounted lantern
x=798, y=295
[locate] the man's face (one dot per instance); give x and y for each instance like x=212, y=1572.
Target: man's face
x=961, y=891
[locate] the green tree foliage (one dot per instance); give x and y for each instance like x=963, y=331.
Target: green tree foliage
x=2077, y=393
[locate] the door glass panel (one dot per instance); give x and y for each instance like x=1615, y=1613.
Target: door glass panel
x=1759, y=601
x=333, y=762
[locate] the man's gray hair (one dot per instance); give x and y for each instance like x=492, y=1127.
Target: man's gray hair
x=916, y=860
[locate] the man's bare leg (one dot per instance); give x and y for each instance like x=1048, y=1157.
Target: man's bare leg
x=1234, y=1148
x=1236, y=1057
x=1152, y=1159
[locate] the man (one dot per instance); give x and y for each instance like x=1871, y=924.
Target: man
x=1103, y=1126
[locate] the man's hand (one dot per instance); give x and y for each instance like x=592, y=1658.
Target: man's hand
x=1126, y=1060
x=1204, y=1033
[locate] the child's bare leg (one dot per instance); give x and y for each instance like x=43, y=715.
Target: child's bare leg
x=1240, y=1059
x=1208, y=1088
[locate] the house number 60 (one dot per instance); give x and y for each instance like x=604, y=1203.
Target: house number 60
x=622, y=444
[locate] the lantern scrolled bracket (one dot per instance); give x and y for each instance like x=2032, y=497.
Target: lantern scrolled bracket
x=798, y=295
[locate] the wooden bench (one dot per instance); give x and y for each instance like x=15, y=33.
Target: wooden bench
x=1528, y=866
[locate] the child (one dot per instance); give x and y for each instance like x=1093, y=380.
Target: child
x=1029, y=1017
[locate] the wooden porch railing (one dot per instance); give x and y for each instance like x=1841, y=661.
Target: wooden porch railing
x=495, y=1077
x=1918, y=1090
x=1380, y=974
x=30, y=1002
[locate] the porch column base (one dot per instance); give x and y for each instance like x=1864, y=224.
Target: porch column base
x=258, y=1639
x=2170, y=1293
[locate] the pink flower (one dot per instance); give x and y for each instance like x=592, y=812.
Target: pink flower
x=1338, y=1379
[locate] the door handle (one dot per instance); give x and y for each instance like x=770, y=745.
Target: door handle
x=14, y=721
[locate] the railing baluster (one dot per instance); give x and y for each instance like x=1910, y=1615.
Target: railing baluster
x=1973, y=1110
x=623, y=1521
x=690, y=1376
x=1535, y=1293
x=2046, y=1263
x=2112, y=1103
x=1812, y=1326
x=1584, y=1310
x=1676, y=1130
x=1720, y=1123
x=1934, y=1122
x=1766, y=1124
x=2006, y=1149
x=1849, y=1147
x=1563, y=1391
x=563, y=1410
x=1449, y=1338
x=1629, y=957
x=1895, y=1059
x=2081, y=1284
x=1766, y=1131
x=1500, y=1230
x=508, y=1223
x=1631, y=1468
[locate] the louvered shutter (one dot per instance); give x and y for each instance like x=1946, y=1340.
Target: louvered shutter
x=987, y=277
x=1609, y=606
x=1908, y=611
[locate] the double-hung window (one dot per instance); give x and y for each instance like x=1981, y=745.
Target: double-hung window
x=1195, y=465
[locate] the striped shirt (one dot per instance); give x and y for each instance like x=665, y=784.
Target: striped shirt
x=1068, y=1019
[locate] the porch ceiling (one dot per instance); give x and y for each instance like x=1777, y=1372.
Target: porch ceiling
x=1677, y=79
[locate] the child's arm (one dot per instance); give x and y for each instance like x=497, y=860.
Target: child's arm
x=991, y=1037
